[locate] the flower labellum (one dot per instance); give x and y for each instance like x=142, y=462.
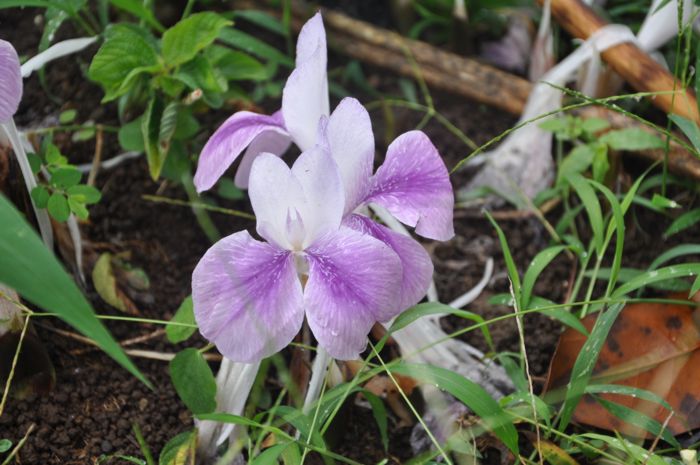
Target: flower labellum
x=248, y=296
x=10, y=81
x=304, y=101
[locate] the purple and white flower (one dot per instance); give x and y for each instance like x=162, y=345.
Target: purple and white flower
x=10, y=81
x=304, y=101
x=248, y=296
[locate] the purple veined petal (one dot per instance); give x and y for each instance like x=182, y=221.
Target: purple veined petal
x=417, y=268
x=10, y=81
x=353, y=280
x=229, y=140
x=277, y=198
x=267, y=142
x=351, y=141
x=319, y=178
x=311, y=37
x=247, y=298
x=305, y=99
x=414, y=185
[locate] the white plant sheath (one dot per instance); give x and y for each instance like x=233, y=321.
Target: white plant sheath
x=58, y=50
x=318, y=374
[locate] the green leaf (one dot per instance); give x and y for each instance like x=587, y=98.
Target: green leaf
x=53, y=155
x=193, y=381
x=664, y=202
x=66, y=177
x=105, y=283
x=379, y=413
x=271, y=455
x=237, y=66
x=577, y=161
x=198, y=73
x=184, y=314
x=124, y=51
x=689, y=128
x=137, y=8
x=685, y=221
x=83, y=135
x=639, y=419
x=40, y=196
x=180, y=450
x=150, y=129
x=182, y=41
x=600, y=165
x=508, y=257
x=538, y=264
x=5, y=445
x=58, y=207
x=470, y=394
x=631, y=139
x=168, y=124
x=590, y=202
x=77, y=206
x=90, y=194
x=228, y=190
x=627, y=391
x=593, y=125
x=250, y=44
x=131, y=137
x=653, y=276
x=67, y=116
x=262, y=19
x=29, y=268
x=34, y=162
x=585, y=362
x=54, y=18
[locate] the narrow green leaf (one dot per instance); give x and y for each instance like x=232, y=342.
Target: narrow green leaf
x=262, y=19
x=653, y=276
x=379, y=413
x=270, y=455
x=150, y=129
x=470, y=394
x=631, y=391
x=634, y=417
x=615, y=226
x=137, y=8
x=185, y=315
x=689, y=128
x=590, y=203
x=685, y=221
x=254, y=46
x=538, y=264
x=182, y=41
x=585, y=362
x=194, y=381
x=29, y=268
x=508, y=257
x=58, y=207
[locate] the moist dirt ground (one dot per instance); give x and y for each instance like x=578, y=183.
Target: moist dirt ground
x=94, y=404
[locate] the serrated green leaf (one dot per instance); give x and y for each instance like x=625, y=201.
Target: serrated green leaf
x=180, y=450
x=90, y=194
x=187, y=125
x=66, y=177
x=193, y=381
x=185, y=315
x=182, y=41
x=40, y=196
x=58, y=207
x=124, y=51
x=631, y=139
x=77, y=206
x=29, y=268
x=470, y=394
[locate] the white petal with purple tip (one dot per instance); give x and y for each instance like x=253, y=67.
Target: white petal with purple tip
x=10, y=81
x=417, y=268
x=247, y=298
x=352, y=282
x=414, y=185
x=229, y=140
x=351, y=141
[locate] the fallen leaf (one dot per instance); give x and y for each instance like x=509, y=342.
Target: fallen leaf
x=114, y=281
x=651, y=346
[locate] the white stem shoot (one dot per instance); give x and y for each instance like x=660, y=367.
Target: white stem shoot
x=318, y=375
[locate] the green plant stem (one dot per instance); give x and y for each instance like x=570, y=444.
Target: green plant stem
x=188, y=9
x=204, y=206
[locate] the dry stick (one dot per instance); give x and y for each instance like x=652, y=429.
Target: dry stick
x=628, y=60
x=97, y=158
x=19, y=445
x=14, y=365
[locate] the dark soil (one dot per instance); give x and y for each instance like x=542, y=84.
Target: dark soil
x=95, y=403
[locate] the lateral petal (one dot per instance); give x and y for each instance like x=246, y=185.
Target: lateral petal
x=267, y=142
x=10, y=81
x=229, y=140
x=414, y=185
x=353, y=283
x=247, y=298
x=351, y=141
x=417, y=268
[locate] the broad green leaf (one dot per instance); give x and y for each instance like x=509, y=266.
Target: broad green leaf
x=90, y=194
x=185, y=315
x=538, y=264
x=131, y=137
x=137, y=8
x=689, y=128
x=29, y=268
x=182, y=41
x=631, y=139
x=66, y=177
x=34, y=162
x=58, y=207
x=470, y=394
x=585, y=362
x=198, y=73
x=53, y=155
x=180, y=450
x=40, y=196
x=123, y=51
x=150, y=129
x=194, y=381
x=590, y=202
x=237, y=66
x=254, y=46
x=685, y=221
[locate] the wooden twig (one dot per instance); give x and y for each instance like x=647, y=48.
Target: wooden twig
x=628, y=60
